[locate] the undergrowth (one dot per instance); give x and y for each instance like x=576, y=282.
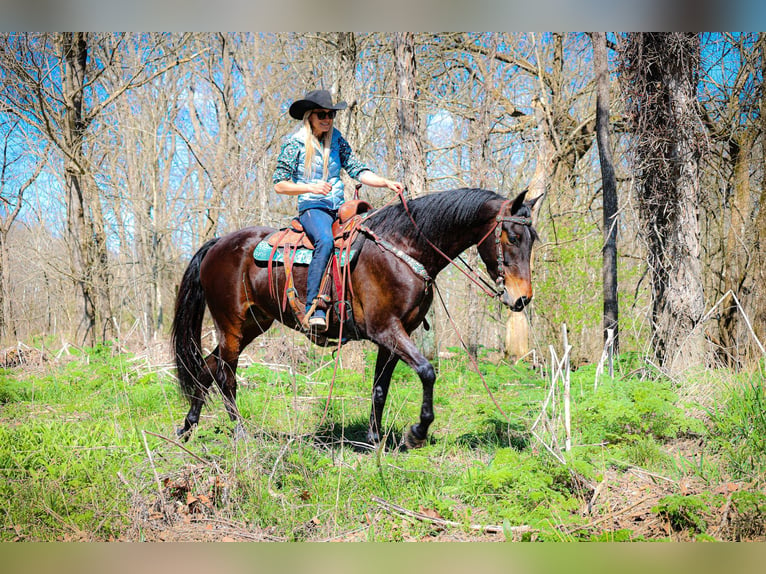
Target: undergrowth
x=88, y=452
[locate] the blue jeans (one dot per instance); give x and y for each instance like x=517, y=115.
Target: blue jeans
x=318, y=226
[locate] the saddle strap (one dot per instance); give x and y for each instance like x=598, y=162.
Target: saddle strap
x=413, y=263
x=291, y=295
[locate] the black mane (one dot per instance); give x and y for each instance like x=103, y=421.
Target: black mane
x=436, y=214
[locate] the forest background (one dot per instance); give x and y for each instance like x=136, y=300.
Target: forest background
x=123, y=153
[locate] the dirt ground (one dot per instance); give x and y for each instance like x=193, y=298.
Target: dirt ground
x=623, y=501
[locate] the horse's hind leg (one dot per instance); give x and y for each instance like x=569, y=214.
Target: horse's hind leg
x=202, y=383
x=231, y=349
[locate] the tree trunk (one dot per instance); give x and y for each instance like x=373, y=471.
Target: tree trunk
x=609, y=186
x=662, y=78
x=345, y=85
x=85, y=216
x=736, y=255
x=759, y=303
x=413, y=162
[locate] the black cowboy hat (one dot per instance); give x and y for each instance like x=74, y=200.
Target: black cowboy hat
x=315, y=99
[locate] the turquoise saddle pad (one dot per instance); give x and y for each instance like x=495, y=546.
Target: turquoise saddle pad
x=303, y=256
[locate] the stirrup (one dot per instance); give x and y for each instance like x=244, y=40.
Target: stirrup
x=310, y=320
x=318, y=321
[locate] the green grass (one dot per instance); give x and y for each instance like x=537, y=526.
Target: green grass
x=88, y=452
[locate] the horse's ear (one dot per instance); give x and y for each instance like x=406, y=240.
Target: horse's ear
x=531, y=203
x=518, y=203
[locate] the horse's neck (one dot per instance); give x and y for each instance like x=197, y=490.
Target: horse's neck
x=439, y=253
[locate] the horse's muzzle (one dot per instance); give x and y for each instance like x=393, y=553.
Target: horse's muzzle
x=516, y=305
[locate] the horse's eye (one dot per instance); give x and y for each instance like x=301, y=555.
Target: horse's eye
x=513, y=239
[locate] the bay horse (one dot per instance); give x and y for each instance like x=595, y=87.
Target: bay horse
x=401, y=250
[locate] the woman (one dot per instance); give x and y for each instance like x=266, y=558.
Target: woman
x=308, y=166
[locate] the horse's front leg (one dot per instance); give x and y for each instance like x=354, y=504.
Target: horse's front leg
x=384, y=368
x=417, y=434
x=399, y=343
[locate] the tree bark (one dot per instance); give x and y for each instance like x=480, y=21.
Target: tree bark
x=85, y=216
x=412, y=157
x=662, y=77
x=609, y=187
x=413, y=161
x=759, y=319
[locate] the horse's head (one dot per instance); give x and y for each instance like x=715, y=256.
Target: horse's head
x=507, y=252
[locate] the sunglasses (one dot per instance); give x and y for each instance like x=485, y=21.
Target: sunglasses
x=325, y=115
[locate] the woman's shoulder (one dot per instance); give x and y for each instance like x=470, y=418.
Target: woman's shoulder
x=297, y=135
x=293, y=143
x=337, y=137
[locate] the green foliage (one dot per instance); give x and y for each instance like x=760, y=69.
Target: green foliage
x=628, y=409
x=644, y=451
x=622, y=535
x=738, y=422
x=749, y=517
x=574, y=269
x=687, y=512
x=72, y=440
x=533, y=491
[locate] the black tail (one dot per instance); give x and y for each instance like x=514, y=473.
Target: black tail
x=186, y=333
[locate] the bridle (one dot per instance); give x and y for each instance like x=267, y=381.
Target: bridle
x=497, y=228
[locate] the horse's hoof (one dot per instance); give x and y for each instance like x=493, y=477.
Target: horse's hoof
x=185, y=432
x=373, y=438
x=410, y=441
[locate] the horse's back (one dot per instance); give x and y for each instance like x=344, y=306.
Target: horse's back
x=230, y=257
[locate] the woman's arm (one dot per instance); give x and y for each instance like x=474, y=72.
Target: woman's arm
x=374, y=180
x=284, y=172
x=287, y=187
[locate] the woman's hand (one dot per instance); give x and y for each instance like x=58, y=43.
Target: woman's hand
x=320, y=188
x=374, y=180
x=395, y=186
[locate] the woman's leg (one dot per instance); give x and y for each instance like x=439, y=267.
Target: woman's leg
x=318, y=226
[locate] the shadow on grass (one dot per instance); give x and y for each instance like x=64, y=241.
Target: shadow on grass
x=352, y=435
x=497, y=434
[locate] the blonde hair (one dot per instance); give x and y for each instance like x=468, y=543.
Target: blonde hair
x=311, y=141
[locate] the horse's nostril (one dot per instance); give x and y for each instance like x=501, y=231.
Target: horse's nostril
x=521, y=302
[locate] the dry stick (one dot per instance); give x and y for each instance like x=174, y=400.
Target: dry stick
x=567, y=386
x=178, y=444
x=602, y=519
x=725, y=517
x=556, y=455
x=154, y=469
x=638, y=470
x=747, y=322
x=604, y=355
x=551, y=390
x=741, y=310
x=442, y=522
x=274, y=470
x=557, y=370
x=596, y=494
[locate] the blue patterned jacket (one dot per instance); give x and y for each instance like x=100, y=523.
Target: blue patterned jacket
x=292, y=159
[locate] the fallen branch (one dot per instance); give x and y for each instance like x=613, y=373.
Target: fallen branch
x=609, y=516
x=488, y=528
x=179, y=445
